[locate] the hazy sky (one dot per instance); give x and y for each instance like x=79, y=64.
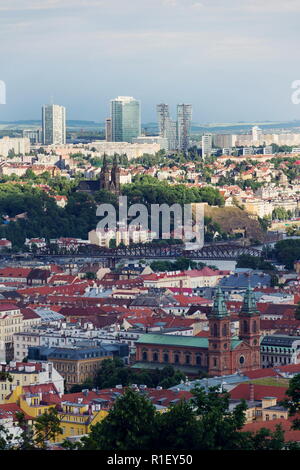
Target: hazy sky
x=233, y=60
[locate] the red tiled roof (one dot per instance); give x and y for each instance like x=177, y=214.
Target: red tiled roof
x=7, y=307
x=14, y=272
x=289, y=434
x=8, y=410
x=242, y=391
x=29, y=314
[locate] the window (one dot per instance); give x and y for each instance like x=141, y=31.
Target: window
x=166, y=357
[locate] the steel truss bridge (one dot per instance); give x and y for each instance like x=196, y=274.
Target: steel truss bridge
x=207, y=252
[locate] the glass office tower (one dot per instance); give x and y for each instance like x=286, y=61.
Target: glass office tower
x=125, y=119
x=54, y=124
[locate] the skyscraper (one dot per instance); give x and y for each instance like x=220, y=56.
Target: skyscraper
x=167, y=128
x=184, y=119
x=125, y=119
x=163, y=116
x=54, y=124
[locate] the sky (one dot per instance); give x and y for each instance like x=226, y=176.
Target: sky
x=233, y=60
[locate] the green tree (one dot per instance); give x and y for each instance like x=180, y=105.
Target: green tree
x=292, y=403
x=46, y=428
x=130, y=425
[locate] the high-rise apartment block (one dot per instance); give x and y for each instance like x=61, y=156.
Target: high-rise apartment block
x=206, y=145
x=108, y=135
x=184, y=119
x=176, y=132
x=54, y=124
x=256, y=133
x=125, y=119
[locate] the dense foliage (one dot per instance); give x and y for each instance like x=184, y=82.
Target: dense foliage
x=204, y=423
x=113, y=372
x=287, y=252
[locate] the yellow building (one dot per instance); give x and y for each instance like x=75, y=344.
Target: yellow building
x=18, y=374
x=76, y=416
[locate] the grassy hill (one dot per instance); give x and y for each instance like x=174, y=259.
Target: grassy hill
x=233, y=218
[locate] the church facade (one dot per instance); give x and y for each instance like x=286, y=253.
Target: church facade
x=109, y=179
x=218, y=354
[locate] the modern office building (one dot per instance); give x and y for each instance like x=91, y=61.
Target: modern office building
x=184, y=119
x=54, y=124
x=125, y=119
x=206, y=145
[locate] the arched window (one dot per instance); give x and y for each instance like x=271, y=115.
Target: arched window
x=215, y=330
x=245, y=326
x=254, y=327
x=145, y=356
x=155, y=357
x=187, y=359
x=166, y=357
x=224, y=330
x=176, y=358
x=198, y=360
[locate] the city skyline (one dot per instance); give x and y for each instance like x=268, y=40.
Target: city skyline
x=221, y=58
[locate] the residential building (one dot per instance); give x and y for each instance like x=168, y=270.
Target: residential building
x=184, y=120
x=277, y=350
x=206, y=145
x=19, y=374
x=14, y=145
x=78, y=363
x=108, y=130
x=11, y=321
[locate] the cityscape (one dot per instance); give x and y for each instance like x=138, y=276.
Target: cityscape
x=149, y=257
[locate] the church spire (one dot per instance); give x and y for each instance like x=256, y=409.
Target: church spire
x=249, y=307
x=219, y=309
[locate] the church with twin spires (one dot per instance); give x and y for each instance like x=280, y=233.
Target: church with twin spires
x=109, y=179
x=220, y=353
